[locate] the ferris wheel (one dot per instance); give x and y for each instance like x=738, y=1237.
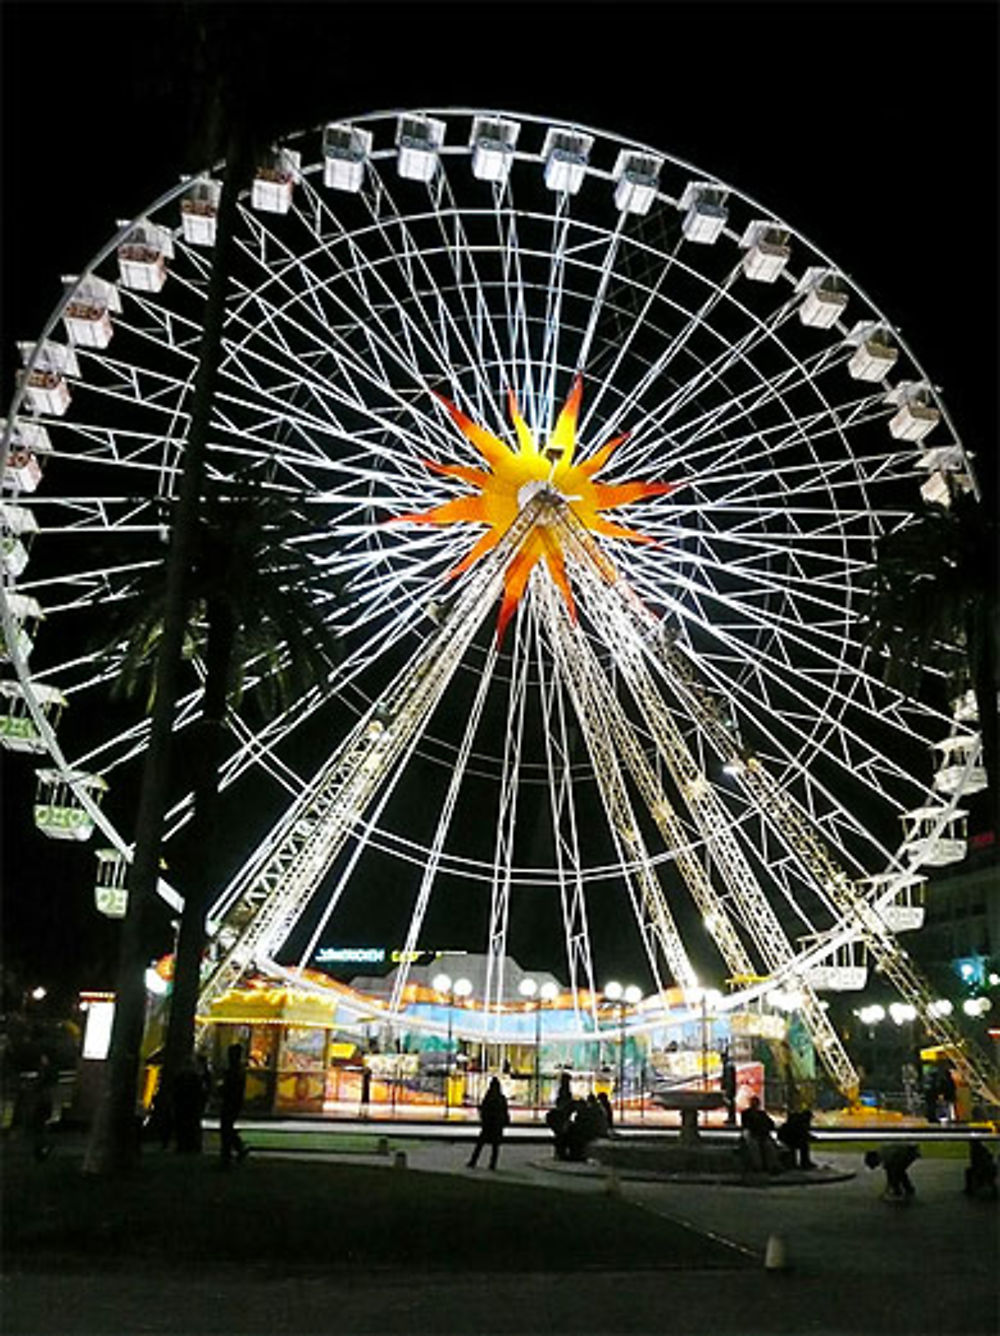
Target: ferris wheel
x=595, y=452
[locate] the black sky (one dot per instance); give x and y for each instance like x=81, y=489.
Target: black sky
x=871, y=127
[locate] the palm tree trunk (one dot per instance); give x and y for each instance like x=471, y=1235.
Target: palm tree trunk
x=205, y=749
x=114, y=1144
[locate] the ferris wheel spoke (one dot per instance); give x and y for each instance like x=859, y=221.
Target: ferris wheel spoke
x=768, y=443
x=854, y=754
x=709, y=374
x=789, y=684
x=411, y=254
x=592, y=699
x=514, y=286
x=477, y=356
x=711, y=378
x=610, y=248
x=328, y=340
x=299, y=376
x=606, y=365
x=447, y=815
x=504, y=858
x=776, y=391
x=565, y=832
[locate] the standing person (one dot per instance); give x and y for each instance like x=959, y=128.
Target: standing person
x=564, y=1095
x=233, y=1089
x=366, y=1089
x=560, y=1115
x=895, y=1160
x=729, y=1087
x=40, y=1106
x=946, y=1092
x=494, y=1116
x=605, y=1103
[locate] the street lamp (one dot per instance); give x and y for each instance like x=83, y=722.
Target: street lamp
x=548, y=992
x=451, y=988
x=622, y=997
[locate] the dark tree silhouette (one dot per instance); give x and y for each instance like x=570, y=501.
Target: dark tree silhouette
x=230, y=120
x=933, y=603
x=254, y=606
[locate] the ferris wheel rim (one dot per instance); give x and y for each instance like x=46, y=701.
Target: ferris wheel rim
x=385, y=153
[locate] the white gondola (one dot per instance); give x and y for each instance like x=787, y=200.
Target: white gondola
x=18, y=729
x=47, y=355
x=418, y=140
x=766, y=251
x=59, y=811
x=493, y=141
x=899, y=898
x=87, y=314
x=942, y=485
x=25, y=614
x=17, y=524
x=45, y=388
x=931, y=842
x=705, y=212
x=22, y=469
x=824, y=298
x=142, y=257
x=637, y=179
x=965, y=708
x=845, y=970
x=110, y=888
x=915, y=415
x=199, y=211
x=45, y=392
x=960, y=768
x=875, y=354
x=345, y=153
x=275, y=181
x=566, y=153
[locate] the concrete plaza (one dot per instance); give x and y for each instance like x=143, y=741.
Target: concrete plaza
x=854, y=1264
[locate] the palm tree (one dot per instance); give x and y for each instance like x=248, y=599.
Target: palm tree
x=933, y=603
x=229, y=120
x=252, y=597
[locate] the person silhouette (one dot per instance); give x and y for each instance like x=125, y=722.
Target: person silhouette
x=494, y=1117
x=895, y=1160
x=233, y=1090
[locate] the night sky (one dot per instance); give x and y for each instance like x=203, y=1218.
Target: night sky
x=872, y=128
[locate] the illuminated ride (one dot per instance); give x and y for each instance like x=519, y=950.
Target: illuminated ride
x=594, y=453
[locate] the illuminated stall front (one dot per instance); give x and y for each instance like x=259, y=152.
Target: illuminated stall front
x=289, y=1042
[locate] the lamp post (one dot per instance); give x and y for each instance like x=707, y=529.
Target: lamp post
x=622, y=997
x=530, y=991
x=450, y=988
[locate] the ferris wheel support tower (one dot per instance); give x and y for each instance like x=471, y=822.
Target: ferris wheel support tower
x=631, y=619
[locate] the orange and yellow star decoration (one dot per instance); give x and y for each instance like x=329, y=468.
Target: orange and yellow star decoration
x=514, y=475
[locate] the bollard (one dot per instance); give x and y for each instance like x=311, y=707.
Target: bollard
x=382, y=1146
x=775, y=1255
x=399, y=1160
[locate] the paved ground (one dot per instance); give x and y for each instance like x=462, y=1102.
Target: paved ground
x=855, y=1264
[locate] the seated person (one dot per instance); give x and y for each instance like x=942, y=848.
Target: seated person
x=758, y=1128
x=796, y=1133
x=981, y=1174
